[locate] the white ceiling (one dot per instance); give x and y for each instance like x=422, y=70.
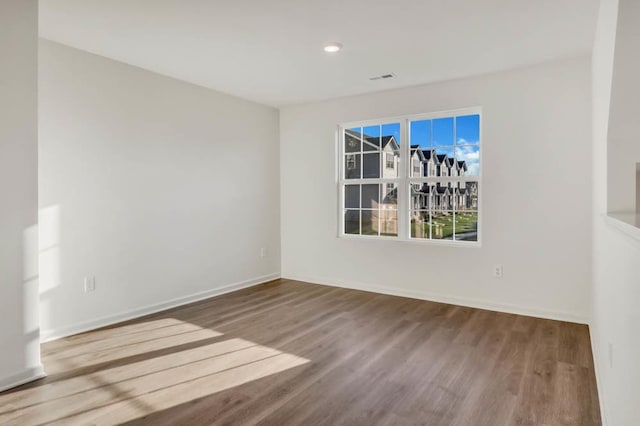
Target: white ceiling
x=270, y=51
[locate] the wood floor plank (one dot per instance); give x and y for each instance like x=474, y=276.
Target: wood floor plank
x=287, y=352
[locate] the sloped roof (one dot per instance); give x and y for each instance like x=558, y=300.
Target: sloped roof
x=416, y=149
x=373, y=140
x=385, y=141
x=391, y=197
x=428, y=154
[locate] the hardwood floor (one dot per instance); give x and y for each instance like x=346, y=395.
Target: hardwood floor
x=293, y=353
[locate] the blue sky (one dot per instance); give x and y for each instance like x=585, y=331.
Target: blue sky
x=387, y=130
x=439, y=134
x=436, y=132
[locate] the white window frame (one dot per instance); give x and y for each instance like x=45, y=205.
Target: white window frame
x=404, y=181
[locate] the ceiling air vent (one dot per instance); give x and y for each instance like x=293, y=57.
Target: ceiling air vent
x=382, y=77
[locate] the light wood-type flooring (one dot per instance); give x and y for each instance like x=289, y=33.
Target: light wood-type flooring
x=291, y=353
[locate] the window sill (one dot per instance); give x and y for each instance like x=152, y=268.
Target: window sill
x=422, y=242
x=628, y=223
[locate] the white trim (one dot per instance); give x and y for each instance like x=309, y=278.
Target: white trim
x=441, y=298
x=25, y=376
x=626, y=223
x=48, y=335
x=424, y=116
x=596, y=369
x=404, y=178
x=422, y=241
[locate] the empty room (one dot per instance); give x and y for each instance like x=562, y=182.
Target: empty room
x=339, y=212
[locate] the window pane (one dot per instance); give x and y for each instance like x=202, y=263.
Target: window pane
x=422, y=161
x=467, y=194
x=371, y=166
x=389, y=196
x=352, y=166
x=442, y=133
x=370, y=222
x=421, y=195
x=468, y=157
x=370, y=196
x=390, y=145
x=352, y=196
x=388, y=222
x=442, y=225
x=443, y=160
x=468, y=129
x=420, y=225
x=416, y=162
x=352, y=222
x=420, y=133
x=371, y=138
x=352, y=138
x=391, y=131
x=441, y=198
x=466, y=226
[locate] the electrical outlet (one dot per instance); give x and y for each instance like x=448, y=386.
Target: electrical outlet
x=89, y=284
x=497, y=271
x=263, y=252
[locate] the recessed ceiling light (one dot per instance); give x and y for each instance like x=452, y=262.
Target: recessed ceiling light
x=332, y=47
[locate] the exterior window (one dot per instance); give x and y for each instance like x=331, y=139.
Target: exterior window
x=390, y=161
x=435, y=196
x=351, y=162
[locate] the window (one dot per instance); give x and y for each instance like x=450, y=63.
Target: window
x=391, y=160
x=351, y=162
x=414, y=178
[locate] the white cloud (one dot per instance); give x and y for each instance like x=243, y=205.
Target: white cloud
x=463, y=141
x=470, y=155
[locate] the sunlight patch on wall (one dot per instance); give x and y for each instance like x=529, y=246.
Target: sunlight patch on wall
x=31, y=323
x=48, y=243
x=49, y=247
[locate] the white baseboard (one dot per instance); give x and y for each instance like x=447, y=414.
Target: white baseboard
x=596, y=368
x=26, y=376
x=48, y=335
x=453, y=300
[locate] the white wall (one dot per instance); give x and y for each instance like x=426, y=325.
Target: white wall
x=624, y=128
x=20, y=353
x=537, y=195
x=160, y=189
x=616, y=257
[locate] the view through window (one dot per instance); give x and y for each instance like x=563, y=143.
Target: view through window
x=413, y=178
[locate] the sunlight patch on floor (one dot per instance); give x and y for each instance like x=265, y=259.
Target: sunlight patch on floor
x=56, y=366
x=132, y=387
x=86, y=382
x=184, y=392
x=96, y=347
